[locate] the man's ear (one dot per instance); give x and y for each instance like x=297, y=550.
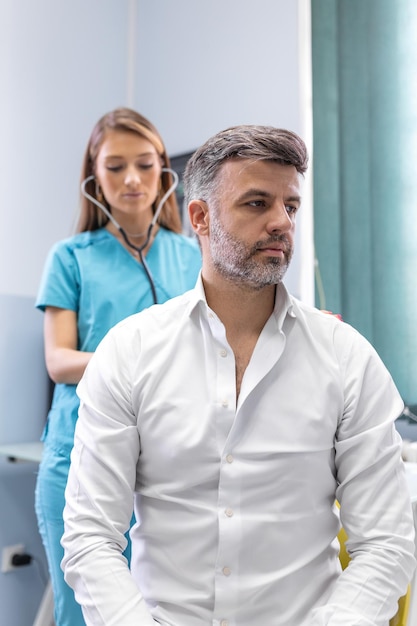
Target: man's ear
x=199, y=217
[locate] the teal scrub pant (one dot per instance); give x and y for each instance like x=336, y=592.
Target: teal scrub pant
x=49, y=506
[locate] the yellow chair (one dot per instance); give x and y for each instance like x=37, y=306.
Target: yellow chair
x=400, y=619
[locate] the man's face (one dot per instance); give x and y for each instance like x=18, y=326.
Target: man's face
x=251, y=228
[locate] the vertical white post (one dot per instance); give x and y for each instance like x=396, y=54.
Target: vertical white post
x=306, y=241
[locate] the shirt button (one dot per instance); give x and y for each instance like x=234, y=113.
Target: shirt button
x=223, y=352
x=227, y=571
x=224, y=622
x=229, y=512
x=225, y=404
x=229, y=458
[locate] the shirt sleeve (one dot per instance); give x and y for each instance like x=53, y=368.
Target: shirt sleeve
x=99, y=495
x=60, y=283
x=373, y=494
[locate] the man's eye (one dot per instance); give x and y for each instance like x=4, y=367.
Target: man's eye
x=257, y=203
x=291, y=210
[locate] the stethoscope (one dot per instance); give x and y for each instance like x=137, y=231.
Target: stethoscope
x=138, y=249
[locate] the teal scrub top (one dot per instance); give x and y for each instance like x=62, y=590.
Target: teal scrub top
x=94, y=275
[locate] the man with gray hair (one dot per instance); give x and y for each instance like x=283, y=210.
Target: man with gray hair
x=235, y=417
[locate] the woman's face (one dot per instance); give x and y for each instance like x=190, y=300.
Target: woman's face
x=128, y=170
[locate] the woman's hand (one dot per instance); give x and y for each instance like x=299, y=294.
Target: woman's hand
x=339, y=317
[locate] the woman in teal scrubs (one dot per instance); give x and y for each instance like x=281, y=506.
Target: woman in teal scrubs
x=93, y=280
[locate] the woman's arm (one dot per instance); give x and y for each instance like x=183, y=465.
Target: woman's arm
x=64, y=362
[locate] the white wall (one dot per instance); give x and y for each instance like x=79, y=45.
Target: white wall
x=193, y=68
x=62, y=65
x=217, y=64
x=200, y=67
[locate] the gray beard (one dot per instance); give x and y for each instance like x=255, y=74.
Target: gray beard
x=237, y=262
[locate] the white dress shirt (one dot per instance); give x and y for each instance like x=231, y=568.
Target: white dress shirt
x=234, y=501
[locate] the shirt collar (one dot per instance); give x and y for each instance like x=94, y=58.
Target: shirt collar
x=197, y=295
x=284, y=304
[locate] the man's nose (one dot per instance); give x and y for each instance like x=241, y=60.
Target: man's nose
x=279, y=220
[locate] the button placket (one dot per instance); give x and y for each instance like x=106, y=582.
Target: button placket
x=226, y=591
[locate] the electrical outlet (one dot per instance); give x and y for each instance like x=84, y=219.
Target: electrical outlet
x=7, y=555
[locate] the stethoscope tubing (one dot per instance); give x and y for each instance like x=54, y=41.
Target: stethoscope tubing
x=138, y=249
